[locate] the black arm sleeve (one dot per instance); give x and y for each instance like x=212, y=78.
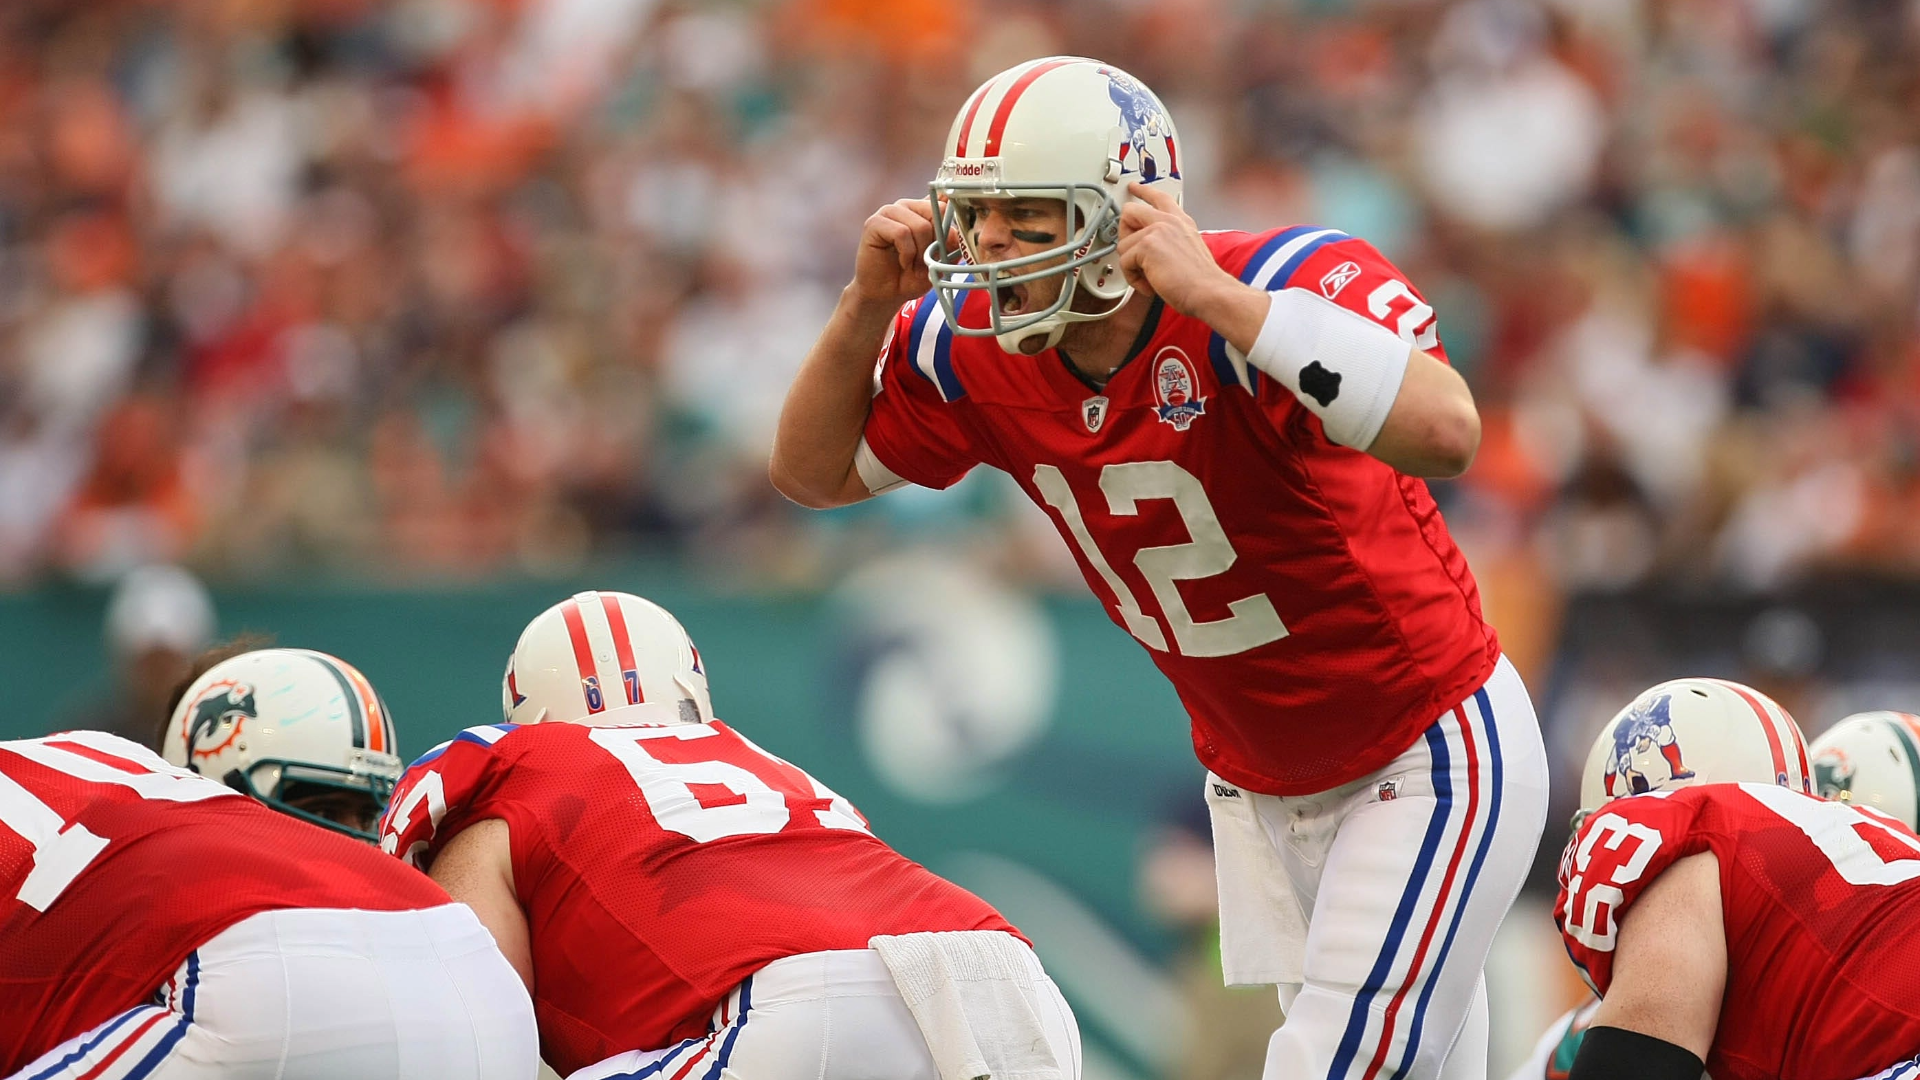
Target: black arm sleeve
x=1609, y=1053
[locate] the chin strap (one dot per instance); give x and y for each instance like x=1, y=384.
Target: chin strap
x=1045, y=334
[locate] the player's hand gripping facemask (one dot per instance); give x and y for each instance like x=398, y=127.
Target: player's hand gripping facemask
x=1063, y=128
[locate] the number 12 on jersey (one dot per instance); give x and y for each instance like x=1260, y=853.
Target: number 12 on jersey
x=1253, y=621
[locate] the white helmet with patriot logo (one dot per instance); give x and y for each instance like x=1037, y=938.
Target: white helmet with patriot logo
x=1871, y=759
x=1694, y=731
x=605, y=658
x=299, y=730
x=1061, y=127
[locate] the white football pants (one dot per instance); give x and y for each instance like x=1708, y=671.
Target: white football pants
x=309, y=994
x=822, y=1016
x=1402, y=878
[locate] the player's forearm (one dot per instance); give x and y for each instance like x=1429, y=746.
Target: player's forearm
x=1371, y=391
x=1433, y=429
x=826, y=408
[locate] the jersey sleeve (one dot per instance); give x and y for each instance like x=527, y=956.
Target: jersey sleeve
x=914, y=430
x=441, y=793
x=1344, y=269
x=1619, y=849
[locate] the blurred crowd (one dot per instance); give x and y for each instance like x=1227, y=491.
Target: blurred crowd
x=411, y=288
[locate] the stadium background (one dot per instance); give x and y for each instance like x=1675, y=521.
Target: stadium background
x=397, y=321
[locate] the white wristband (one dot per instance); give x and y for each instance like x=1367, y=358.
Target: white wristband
x=1345, y=368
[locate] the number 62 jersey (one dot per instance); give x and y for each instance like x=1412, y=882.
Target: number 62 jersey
x=1304, y=598
x=1821, y=903
x=659, y=866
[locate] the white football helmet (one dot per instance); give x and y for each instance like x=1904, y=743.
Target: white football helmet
x=1062, y=127
x=1871, y=759
x=1694, y=731
x=605, y=658
x=280, y=724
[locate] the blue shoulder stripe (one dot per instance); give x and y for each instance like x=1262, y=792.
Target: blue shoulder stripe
x=943, y=372
x=1271, y=267
x=484, y=735
x=928, y=305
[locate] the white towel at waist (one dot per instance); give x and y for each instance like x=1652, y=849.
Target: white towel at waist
x=1263, y=933
x=971, y=992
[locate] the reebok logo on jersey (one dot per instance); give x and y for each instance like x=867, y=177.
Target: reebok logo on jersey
x=1319, y=384
x=1226, y=792
x=1338, y=278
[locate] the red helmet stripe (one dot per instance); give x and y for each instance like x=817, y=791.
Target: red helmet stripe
x=1773, y=735
x=1005, y=108
x=973, y=109
x=623, y=646
x=582, y=653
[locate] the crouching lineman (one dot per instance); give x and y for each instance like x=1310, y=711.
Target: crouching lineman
x=685, y=905
x=158, y=923
x=1733, y=922
x=1869, y=759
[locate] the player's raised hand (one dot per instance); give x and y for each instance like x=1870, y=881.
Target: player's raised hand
x=890, y=267
x=1162, y=253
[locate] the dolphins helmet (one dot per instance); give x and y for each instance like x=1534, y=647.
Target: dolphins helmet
x=281, y=724
x=1871, y=759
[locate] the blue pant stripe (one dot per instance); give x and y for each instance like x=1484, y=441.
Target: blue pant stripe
x=1466, y=891
x=87, y=1047
x=1436, y=827
x=726, y=1048
x=160, y=1051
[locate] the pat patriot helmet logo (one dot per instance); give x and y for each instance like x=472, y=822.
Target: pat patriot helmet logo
x=1649, y=726
x=1339, y=278
x=226, y=704
x=1833, y=775
x=1173, y=389
x=1144, y=119
x=1094, y=412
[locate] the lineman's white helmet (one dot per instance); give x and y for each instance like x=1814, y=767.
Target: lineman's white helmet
x=280, y=724
x=1694, y=731
x=605, y=658
x=1061, y=127
x=1871, y=759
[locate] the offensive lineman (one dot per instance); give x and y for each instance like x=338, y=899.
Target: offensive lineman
x=1733, y=922
x=1869, y=759
x=684, y=905
x=159, y=923
x=1228, y=430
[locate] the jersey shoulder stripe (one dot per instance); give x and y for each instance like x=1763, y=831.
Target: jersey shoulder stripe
x=1271, y=266
x=484, y=735
x=930, y=348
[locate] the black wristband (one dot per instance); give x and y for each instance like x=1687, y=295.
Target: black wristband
x=1609, y=1053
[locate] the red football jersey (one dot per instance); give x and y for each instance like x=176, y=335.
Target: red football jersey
x=114, y=865
x=1304, y=598
x=1822, y=909
x=659, y=866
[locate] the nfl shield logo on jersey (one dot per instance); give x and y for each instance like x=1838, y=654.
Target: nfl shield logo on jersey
x=1173, y=389
x=1094, y=412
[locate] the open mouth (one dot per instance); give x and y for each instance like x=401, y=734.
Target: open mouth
x=1010, y=299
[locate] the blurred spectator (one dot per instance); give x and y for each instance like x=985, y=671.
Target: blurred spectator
x=463, y=286
x=158, y=618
